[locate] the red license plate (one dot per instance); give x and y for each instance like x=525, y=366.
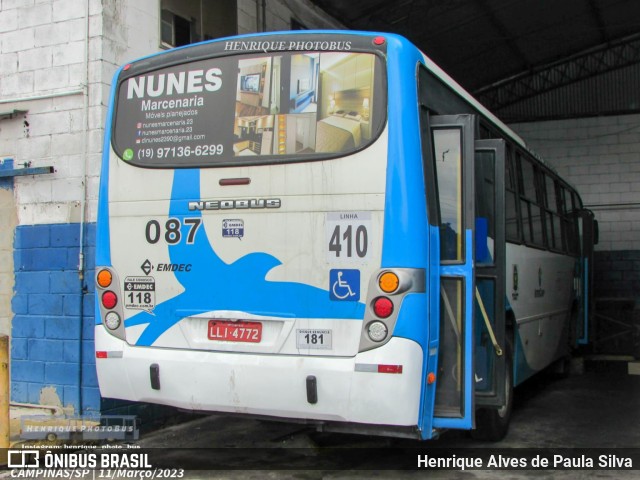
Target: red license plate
x=250, y=332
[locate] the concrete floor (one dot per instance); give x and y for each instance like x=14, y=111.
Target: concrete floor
x=596, y=409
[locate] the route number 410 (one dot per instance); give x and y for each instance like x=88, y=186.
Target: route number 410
x=351, y=238
x=348, y=236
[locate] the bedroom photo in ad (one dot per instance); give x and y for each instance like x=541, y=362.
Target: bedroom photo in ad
x=304, y=103
x=253, y=128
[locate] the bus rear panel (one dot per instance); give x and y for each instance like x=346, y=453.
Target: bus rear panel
x=242, y=213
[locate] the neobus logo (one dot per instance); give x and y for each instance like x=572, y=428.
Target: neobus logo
x=235, y=204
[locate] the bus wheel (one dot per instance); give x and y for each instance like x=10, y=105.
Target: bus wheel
x=492, y=424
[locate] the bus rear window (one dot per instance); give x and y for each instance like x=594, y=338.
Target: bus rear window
x=250, y=109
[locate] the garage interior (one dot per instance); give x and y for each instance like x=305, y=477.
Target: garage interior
x=554, y=72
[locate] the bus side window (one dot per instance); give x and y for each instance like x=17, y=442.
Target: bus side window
x=524, y=205
x=428, y=161
x=554, y=230
x=532, y=215
x=447, y=149
x=570, y=220
x=430, y=174
x=485, y=207
x=512, y=230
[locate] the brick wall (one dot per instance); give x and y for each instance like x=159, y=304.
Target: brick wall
x=61, y=79
x=618, y=274
x=42, y=52
x=601, y=157
x=57, y=59
x=52, y=328
x=279, y=14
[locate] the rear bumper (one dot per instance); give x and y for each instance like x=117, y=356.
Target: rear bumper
x=348, y=389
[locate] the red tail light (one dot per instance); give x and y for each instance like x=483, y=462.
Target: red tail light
x=109, y=299
x=382, y=307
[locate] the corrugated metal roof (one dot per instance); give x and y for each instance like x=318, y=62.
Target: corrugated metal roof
x=612, y=93
x=482, y=42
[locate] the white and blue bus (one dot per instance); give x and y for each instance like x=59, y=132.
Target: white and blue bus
x=324, y=227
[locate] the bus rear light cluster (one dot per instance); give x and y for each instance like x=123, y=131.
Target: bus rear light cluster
x=388, y=283
x=108, y=293
x=387, y=290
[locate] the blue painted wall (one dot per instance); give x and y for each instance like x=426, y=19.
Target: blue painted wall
x=52, y=328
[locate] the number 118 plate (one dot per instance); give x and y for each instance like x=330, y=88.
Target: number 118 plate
x=311, y=338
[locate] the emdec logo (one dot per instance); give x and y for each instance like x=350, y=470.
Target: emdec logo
x=24, y=459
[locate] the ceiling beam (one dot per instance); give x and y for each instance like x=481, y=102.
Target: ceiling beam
x=587, y=64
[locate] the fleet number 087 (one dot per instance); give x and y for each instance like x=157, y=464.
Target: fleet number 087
x=172, y=230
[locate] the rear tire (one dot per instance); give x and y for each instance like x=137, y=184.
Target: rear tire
x=492, y=424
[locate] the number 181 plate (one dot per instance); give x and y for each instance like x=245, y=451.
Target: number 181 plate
x=311, y=338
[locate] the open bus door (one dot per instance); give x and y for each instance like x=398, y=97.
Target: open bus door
x=472, y=348
x=493, y=369
x=452, y=138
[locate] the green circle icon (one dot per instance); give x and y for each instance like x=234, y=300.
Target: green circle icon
x=127, y=154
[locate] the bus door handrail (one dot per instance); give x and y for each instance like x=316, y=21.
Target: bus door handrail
x=487, y=323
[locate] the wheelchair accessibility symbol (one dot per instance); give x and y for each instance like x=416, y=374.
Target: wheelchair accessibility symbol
x=344, y=285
